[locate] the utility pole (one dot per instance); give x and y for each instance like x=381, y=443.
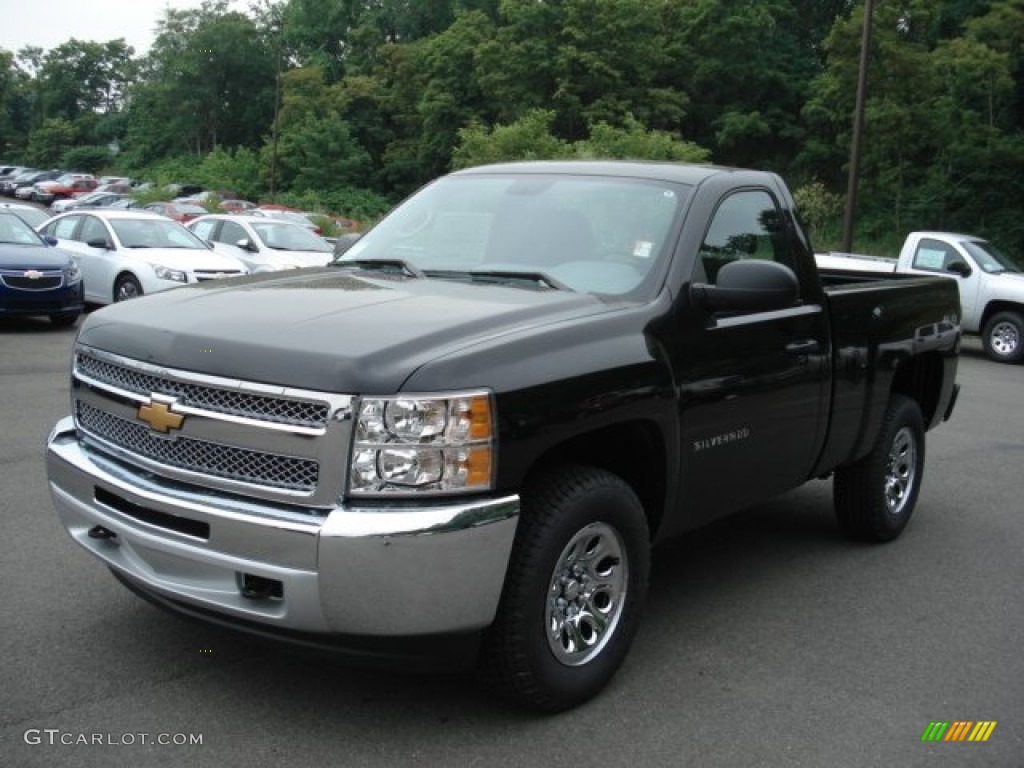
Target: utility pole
x=277, y=109
x=858, y=128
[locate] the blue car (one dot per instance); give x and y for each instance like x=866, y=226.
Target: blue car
x=35, y=277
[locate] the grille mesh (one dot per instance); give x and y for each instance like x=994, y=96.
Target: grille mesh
x=200, y=456
x=46, y=282
x=278, y=410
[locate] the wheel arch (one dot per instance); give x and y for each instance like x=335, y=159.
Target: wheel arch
x=921, y=379
x=122, y=272
x=996, y=306
x=642, y=465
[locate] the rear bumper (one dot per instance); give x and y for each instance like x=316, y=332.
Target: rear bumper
x=388, y=571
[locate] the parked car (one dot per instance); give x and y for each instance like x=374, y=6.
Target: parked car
x=124, y=254
x=263, y=244
x=300, y=218
x=30, y=214
x=68, y=185
x=10, y=182
x=24, y=188
x=235, y=206
x=35, y=277
x=991, y=283
x=91, y=200
x=180, y=212
x=474, y=426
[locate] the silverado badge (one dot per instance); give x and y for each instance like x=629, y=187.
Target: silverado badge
x=157, y=413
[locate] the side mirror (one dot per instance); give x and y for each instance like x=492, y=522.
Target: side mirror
x=247, y=245
x=99, y=242
x=50, y=240
x=958, y=267
x=749, y=285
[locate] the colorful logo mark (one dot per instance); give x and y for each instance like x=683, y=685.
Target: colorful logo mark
x=959, y=730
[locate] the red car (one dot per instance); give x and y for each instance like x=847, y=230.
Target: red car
x=180, y=212
x=65, y=186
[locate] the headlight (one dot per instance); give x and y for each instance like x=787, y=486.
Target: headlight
x=166, y=273
x=423, y=445
x=74, y=274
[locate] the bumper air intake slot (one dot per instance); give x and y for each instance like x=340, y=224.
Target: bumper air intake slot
x=260, y=587
x=183, y=525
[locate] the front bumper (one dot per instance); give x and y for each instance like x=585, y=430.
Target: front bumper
x=386, y=571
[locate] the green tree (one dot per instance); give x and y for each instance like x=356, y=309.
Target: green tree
x=50, y=141
x=321, y=153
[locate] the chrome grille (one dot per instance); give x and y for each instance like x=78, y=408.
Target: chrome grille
x=276, y=410
x=45, y=281
x=186, y=453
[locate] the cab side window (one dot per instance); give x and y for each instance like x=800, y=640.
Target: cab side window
x=934, y=255
x=204, y=229
x=746, y=225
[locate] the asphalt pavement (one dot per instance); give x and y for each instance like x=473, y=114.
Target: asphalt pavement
x=768, y=639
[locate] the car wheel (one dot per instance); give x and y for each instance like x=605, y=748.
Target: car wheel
x=63, y=321
x=574, y=590
x=875, y=496
x=127, y=287
x=1003, y=337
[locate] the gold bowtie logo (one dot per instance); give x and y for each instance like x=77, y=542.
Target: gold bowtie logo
x=158, y=414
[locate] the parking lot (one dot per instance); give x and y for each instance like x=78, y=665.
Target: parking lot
x=768, y=640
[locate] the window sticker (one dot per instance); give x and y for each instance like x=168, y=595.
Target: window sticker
x=642, y=249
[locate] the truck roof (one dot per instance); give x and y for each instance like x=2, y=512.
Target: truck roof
x=684, y=173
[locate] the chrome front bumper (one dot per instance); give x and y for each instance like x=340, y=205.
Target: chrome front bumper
x=399, y=570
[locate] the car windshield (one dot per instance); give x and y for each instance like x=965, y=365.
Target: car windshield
x=14, y=231
x=990, y=258
x=282, y=236
x=155, y=233
x=595, y=234
x=31, y=216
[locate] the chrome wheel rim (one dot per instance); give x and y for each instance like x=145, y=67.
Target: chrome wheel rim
x=902, y=471
x=127, y=290
x=586, y=594
x=1004, y=338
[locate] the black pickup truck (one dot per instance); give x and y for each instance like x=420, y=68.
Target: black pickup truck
x=468, y=431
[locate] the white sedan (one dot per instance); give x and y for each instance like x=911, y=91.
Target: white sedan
x=124, y=254
x=263, y=244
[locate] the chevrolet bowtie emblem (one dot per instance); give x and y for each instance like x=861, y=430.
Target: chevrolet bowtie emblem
x=157, y=413
x=33, y=274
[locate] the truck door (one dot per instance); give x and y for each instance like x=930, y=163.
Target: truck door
x=752, y=386
x=933, y=257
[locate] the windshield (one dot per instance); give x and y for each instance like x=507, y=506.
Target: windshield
x=990, y=258
x=596, y=234
x=155, y=233
x=282, y=236
x=14, y=231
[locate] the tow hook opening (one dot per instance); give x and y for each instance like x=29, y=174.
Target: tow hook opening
x=99, y=532
x=260, y=587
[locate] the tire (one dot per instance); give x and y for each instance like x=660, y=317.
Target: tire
x=1003, y=337
x=126, y=287
x=573, y=594
x=875, y=497
x=63, y=321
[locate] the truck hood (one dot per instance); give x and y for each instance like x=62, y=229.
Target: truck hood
x=321, y=328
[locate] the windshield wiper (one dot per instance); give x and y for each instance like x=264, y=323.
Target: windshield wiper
x=543, y=280
x=385, y=265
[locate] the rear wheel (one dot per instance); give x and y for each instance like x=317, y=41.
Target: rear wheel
x=875, y=497
x=573, y=594
x=127, y=287
x=1003, y=337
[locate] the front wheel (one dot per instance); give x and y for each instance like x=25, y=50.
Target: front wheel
x=575, y=587
x=127, y=287
x=1003, y=337
x=875, y=497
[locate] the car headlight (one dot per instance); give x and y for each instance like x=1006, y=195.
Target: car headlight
x=166, y=273
x=73, y=274
x=429, y=444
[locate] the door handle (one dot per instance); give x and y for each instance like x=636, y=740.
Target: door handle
x=804, y=347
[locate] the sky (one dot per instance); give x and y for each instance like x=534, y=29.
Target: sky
x=48, y=23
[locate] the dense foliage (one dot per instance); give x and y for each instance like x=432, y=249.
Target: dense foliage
x=351, y=104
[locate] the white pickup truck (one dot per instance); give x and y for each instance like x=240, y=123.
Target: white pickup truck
x=991, y=283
